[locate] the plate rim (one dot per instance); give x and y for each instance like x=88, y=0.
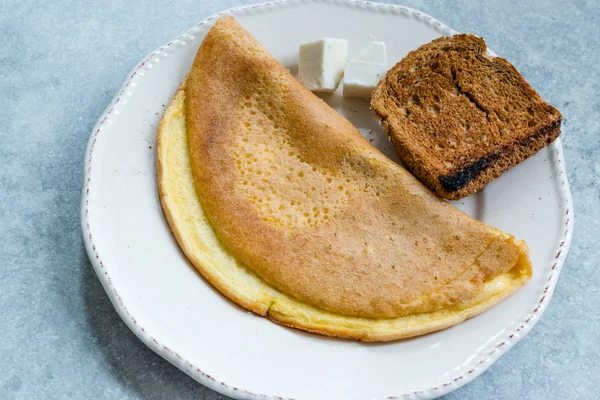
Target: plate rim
x=485, y=357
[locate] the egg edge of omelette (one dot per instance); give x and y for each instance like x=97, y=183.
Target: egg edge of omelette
x=238, y=283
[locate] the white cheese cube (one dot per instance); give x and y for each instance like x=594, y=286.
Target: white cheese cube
x=365, y=71
x=374, y=53
x=321, y=64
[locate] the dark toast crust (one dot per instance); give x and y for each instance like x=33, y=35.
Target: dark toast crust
x=458, y=119
x=492, y=166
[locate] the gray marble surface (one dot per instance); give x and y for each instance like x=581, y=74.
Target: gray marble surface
x=61, y=63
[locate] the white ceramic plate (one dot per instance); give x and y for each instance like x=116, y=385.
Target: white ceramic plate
x=177, y=314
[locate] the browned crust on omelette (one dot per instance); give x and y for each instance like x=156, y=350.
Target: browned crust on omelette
x=298, y=195
x=298, y=317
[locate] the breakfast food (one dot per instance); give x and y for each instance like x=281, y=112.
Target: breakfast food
x=363, y=73
x=459, y=118
x=288, y=211
x=321, y=64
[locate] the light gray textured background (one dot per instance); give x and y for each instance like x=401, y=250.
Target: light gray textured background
x=61, y=63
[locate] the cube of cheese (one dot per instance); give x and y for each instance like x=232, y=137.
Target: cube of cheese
x=321, y=64
x=365, y=71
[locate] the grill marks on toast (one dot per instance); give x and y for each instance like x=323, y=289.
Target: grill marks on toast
x=458, y=118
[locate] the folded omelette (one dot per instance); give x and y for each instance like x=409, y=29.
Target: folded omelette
x=282, y=205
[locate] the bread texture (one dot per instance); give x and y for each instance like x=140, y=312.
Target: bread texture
x=459, y=118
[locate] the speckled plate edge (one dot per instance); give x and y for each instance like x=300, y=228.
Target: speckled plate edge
x=485, y=357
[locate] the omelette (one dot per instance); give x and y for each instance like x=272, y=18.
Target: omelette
x=282, y=205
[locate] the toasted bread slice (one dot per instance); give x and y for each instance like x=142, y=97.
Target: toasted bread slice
x=459, y=118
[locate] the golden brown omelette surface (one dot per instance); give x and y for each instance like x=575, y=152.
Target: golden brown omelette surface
x=295, y=193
